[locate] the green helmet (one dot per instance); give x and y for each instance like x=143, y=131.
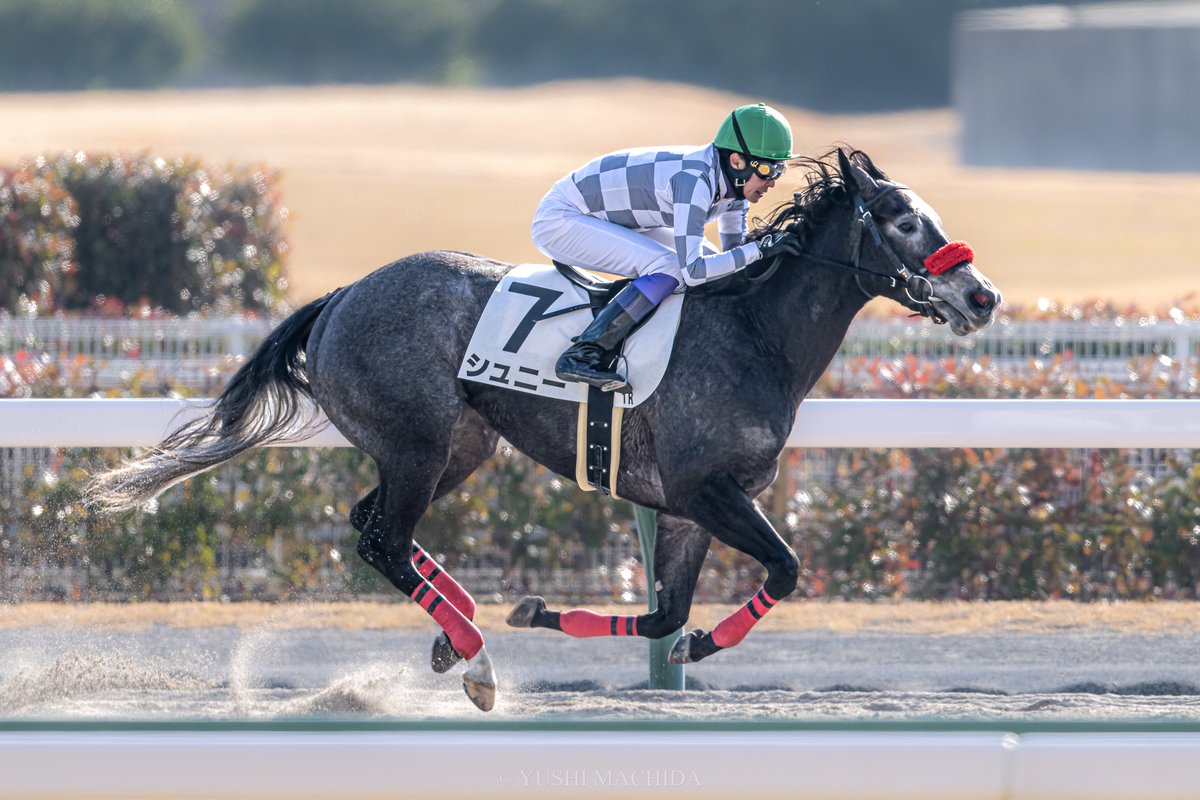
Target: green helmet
x=764, y=133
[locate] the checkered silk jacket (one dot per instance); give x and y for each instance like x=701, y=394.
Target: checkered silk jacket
x=680, y=188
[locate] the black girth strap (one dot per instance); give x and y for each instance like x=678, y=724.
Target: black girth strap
x=599, y=438
x=598, y=443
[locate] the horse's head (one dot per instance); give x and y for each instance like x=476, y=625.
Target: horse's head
x=899, y=237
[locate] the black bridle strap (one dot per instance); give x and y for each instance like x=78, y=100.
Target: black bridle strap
x=902, y=277
x=893, y=279
x=866, y=219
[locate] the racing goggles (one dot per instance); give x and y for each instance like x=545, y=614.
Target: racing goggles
x=768, y=170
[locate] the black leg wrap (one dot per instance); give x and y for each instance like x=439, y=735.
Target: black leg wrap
x=547, y=619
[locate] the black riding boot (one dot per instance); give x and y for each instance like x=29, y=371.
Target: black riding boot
x=589, y=359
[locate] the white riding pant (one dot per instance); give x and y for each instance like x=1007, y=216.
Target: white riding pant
x=566, y=234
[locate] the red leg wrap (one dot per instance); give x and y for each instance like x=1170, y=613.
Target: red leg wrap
x=465, y=638
x=734, y=628
x=449, y=588
x=582, y=623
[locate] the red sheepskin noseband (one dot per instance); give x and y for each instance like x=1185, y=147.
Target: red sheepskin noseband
x=947, y=256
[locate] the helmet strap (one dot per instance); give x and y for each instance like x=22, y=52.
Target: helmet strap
x=737, y=131
x=737, y=177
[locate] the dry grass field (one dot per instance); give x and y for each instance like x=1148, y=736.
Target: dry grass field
x=372, y=174
x=928, y=618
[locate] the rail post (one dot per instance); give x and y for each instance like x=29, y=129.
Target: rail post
x=663, y=674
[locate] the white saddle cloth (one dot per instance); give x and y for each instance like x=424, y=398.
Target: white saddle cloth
x=518, y=339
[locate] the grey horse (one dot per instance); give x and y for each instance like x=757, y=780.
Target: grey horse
x=380, y=358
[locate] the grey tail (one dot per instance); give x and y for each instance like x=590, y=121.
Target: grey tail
x=268, y=401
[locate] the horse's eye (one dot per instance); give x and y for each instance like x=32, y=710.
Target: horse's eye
x=907, y=227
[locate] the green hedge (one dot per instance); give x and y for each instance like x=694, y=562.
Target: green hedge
x=78, y=231
x=999, y=525
x=35, y=240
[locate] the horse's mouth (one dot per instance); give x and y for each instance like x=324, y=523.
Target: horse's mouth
x=962, y=322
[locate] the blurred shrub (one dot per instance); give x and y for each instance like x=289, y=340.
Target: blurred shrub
x=984, y=524
x=81, y=232
x=90, y=44
x=365, y=41
x=36, y=217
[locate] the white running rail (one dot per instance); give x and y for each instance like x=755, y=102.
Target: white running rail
x=108, y=422
x=522, y=763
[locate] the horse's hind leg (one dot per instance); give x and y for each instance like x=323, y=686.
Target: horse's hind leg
x=443, y=656
x=724, y=508
x=404, y=494
x=471, y=442
x=679, y=551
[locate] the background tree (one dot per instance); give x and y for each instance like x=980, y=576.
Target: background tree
x=85, y=44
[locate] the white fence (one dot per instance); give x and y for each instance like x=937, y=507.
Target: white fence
x=192, y=352
x=820, y=423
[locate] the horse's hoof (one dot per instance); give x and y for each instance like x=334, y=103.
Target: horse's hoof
x=444, y=656
x=692, y=647
x=523, y=612
x=681, y=651
x=479, y=681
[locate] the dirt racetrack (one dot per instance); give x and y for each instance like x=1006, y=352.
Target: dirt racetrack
x=819, y=661
x=374, y=173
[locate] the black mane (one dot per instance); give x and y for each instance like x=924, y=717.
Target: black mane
x=824, y=191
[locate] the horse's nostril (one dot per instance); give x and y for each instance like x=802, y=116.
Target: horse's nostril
x=983, y=300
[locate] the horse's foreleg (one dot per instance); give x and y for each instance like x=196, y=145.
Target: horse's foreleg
x=679, y=551
x=724, y=508
x=531, y=612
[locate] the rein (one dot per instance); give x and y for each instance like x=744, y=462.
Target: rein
x=901, y=276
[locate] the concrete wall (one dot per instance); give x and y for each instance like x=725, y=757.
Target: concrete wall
x=1112, y=87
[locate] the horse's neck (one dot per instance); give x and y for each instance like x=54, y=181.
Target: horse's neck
x=808, y=309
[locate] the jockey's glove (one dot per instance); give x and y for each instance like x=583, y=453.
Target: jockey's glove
x=783, y=243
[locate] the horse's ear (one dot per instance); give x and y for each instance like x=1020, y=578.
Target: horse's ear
x=855, y=176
